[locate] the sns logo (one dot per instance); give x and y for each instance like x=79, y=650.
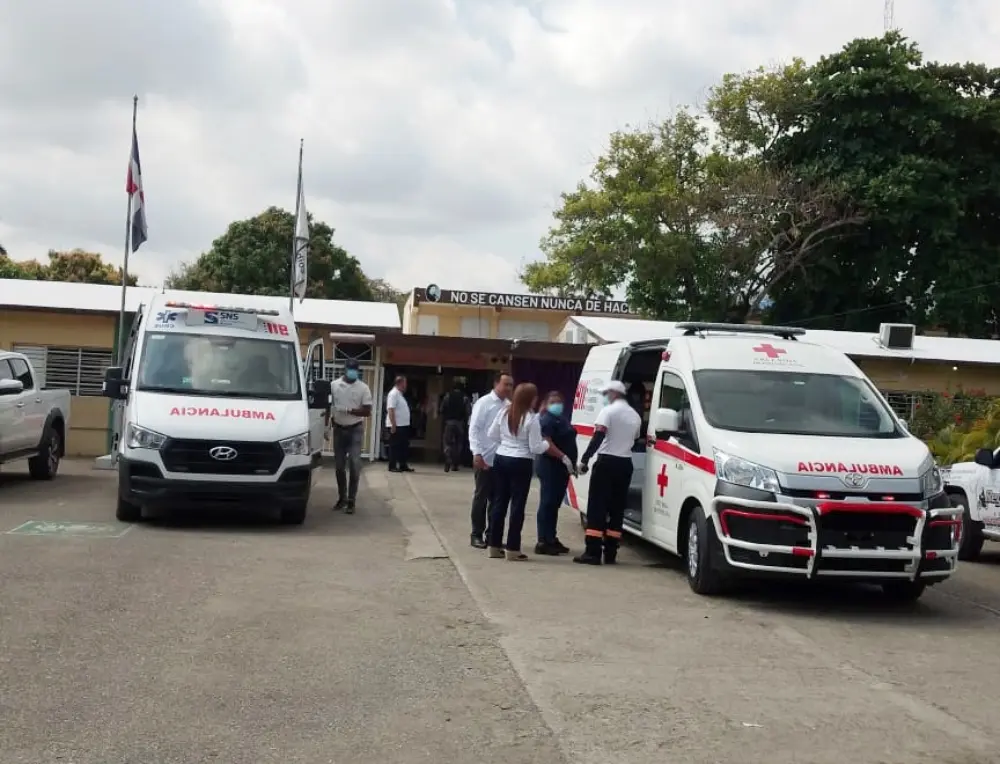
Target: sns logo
x=166, y=317
x=221, y=317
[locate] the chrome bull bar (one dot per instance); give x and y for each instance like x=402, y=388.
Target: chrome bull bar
x=808, y=517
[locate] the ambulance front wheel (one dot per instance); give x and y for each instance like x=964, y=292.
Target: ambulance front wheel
x=702, y=577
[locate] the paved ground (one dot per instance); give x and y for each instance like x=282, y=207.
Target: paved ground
x=354, y=639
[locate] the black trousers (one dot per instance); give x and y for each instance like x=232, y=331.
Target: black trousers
x=399, y=448
x=609, y=482
x=482, y=498
x=511, y=483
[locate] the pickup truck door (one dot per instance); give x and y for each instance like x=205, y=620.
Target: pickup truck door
x=13, y=418
x=35, y=408
x=315, y=364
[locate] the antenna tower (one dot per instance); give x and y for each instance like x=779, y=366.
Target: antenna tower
x=888, y=16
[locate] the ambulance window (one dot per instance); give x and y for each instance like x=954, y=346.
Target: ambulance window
x=673, y=395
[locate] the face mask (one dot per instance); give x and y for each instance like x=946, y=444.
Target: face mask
x=556, y=408
x=605, y=400
x=352, y=375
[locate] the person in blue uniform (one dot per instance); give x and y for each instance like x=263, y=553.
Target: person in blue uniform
x=553, y=476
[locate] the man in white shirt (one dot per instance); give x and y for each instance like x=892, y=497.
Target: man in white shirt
x=616, y=430
x=352, y=404
x=483, y=451
x=398, y=416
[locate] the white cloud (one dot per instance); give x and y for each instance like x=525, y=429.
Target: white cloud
x=439, y=133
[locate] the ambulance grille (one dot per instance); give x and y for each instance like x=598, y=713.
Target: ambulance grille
x=193, y=457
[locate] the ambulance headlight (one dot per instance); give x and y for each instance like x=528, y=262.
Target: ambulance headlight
x=296, y=446
x=140, y=437
x=733, y=469
x=931, y=480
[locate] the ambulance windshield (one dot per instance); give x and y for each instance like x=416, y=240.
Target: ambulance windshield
x=219, y=366
x=790, y=403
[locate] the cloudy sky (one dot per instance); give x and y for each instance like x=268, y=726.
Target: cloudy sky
x=438, y=133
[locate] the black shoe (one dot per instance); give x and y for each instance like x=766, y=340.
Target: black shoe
x=477, y=542
x=341, y=504
x=349, y=507
x=543, y=548
x=395, y=469
x=447, y=468
x=560, y=547
x=455, y=468
x=407, y=468
x=610, y=559
x=587, y=559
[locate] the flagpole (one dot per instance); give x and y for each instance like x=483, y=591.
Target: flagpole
x=295, y=220
x=120, y=345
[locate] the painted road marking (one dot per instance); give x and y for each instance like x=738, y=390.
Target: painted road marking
x=66, y=528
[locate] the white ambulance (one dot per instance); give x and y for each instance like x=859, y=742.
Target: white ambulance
x=215, y=407
x=766, y=455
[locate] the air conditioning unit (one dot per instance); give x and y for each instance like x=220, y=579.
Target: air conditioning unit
x=896, y=336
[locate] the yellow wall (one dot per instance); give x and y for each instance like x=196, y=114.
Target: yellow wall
x=892, y=375
x=88, y=416
x=450, y=318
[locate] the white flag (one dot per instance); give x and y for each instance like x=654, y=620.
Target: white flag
x=301, y=248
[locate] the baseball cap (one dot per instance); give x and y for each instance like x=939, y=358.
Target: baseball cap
x=351, y=364
x=614, y=387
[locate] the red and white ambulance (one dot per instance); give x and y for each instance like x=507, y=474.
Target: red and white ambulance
x=768, y=455
x=215, y=408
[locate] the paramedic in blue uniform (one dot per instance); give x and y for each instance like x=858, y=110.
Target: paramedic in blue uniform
x=616, y=430
x=553, y=477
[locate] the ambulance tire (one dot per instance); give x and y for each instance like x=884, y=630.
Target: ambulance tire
x=127, y=512
x=702, y=577
x=972, y=533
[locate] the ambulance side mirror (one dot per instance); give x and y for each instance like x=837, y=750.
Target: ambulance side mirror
x=984, y=457
x=666, y=421
x=115, y=386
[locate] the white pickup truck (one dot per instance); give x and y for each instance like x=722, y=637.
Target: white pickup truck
x=975, y=487
x=33, y=422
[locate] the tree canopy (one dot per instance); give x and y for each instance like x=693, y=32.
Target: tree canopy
x=860, y=189
x=253, y=256
x=75, y=265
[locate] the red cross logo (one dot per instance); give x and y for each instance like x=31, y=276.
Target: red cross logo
x=661, y=480
x=770, y=350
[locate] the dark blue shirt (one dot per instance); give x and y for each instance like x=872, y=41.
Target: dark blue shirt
x=559, y=430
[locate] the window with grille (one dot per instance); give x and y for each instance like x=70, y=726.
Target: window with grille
x=904, y=404
x=79, y=370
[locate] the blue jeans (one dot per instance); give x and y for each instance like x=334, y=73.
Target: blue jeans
x=553, y=481
x=511, y=483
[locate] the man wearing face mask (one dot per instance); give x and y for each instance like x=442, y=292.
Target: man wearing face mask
x=616, y=429
x=352, y=404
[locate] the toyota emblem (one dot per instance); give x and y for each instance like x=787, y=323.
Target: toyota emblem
x=855, y=480
x=223, y=453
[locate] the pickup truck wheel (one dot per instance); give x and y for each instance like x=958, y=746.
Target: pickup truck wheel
x=972, y=540
x=127, y=512
x=295, y=514
x=702, y=577
x=903, y=591
x=45, y=464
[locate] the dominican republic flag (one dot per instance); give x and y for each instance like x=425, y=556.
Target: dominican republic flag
x=133, y=187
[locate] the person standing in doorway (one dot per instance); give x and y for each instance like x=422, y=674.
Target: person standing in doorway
x=553, y=477
x=616, y=429
x=454, y=413
x=398, y=414
x=520, y=435
x=484, y=450
x=352, y=404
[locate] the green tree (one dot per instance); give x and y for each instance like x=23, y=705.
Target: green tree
x=75, y=265
x=254, y=257
x=913, y=146
x=689, y=231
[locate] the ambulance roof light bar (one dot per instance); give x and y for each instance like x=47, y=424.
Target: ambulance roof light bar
x=192, y=306
x=698, y=328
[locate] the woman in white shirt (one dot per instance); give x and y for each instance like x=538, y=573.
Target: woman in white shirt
x=519, y=433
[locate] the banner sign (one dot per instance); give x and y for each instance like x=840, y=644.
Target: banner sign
x=525, y=301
